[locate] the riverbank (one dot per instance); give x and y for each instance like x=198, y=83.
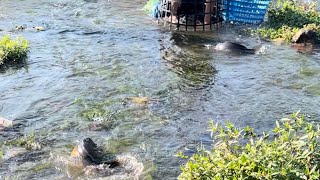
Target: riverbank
x=286, y=18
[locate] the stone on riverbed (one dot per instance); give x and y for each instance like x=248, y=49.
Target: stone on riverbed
x=13, y=152
x=139, y=100
x=5, y=123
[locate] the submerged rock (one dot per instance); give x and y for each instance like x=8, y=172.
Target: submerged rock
x=139, y=100
x=5, y=123
x=97, y=126
x=13, y=152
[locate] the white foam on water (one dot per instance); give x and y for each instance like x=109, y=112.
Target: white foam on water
x=263, y=49
x=208, y=46
x=129, y=168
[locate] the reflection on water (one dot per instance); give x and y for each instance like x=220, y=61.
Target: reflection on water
x=12, y=68
x=195, y=69
x=91, y=59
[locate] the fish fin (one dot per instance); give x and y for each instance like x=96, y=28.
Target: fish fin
x=75, y=152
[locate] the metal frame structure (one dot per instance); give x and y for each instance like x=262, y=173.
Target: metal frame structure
x=191, y=14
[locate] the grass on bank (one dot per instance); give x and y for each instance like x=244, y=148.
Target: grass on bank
x=290, y=152
x=13, y=51
x=287, y=17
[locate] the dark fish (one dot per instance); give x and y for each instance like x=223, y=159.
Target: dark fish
x=234, y=47
x=89, y=151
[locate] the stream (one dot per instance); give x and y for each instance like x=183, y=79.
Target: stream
x=95, y=56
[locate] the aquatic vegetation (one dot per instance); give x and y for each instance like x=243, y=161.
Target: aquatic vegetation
x=286, y=17
x=108, y=110
x=296, y=86
x=314, y=89
x=96, y=111
x=103, y=115
x=98, y=21
x=93, y=113
x=309, y=71
x=28, y=141
x=115, y=145
x=42, y=166
x=13, y=51
x=291, y=152
x=149, y=170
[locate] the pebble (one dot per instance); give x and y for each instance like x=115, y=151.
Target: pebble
x=5, y=122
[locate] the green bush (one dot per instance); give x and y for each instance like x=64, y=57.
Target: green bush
x=13, y=51
x=291, y=152
x=286, y=17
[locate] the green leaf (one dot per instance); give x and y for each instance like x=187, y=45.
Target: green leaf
x=304, y=137
x=299, y=143
x=291, y=154
x=313, y=169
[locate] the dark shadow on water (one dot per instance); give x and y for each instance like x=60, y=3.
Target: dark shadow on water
x=13, y=66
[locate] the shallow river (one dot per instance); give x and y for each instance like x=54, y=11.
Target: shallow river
x=96, y=55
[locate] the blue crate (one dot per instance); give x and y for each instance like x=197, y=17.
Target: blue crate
x=245, y=11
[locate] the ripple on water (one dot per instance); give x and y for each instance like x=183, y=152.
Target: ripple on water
x=102, y=52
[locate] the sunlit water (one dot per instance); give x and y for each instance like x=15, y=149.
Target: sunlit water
x=97, y=54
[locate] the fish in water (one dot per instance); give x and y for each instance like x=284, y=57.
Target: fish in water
x=235, y=48
x=88, y=151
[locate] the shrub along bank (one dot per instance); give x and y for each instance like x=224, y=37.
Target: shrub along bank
x=290, y=152
x=287, y=17
x=13, y=51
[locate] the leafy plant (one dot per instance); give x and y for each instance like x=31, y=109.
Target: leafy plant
x=291, y=152
x=286, y=17
x=13, y=51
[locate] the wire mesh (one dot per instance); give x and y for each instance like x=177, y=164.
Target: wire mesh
x=191, y=14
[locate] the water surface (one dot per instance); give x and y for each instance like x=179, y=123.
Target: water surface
x=95, y=55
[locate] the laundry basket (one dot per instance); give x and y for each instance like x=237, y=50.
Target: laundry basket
x=245, y=11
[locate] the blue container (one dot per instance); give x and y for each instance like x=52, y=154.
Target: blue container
x=245, y=11
x=155, y=11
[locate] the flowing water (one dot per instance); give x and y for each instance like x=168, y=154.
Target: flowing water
x=95, y=56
